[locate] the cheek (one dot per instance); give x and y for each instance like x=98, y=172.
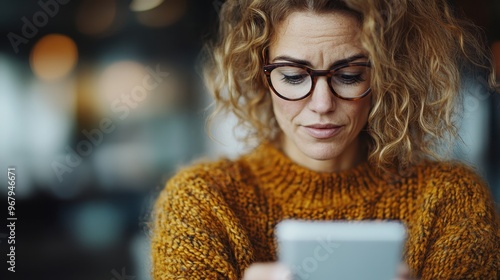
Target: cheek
x=355, y=113
x=359, y=112
x=285, y=111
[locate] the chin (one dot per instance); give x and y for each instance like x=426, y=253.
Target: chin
x=321, y=151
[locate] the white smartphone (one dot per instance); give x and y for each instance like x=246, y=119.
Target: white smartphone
x=344, y=250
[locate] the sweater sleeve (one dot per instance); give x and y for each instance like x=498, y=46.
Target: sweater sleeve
x=195, y=235
x=459, y=227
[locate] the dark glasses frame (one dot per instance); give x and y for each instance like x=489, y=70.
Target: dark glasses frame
x=314, y=74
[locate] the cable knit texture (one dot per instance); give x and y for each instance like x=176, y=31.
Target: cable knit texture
x=213, y=220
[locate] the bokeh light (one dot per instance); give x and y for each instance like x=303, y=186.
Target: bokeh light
x=95, y=17
x=53, y=57
x=169, y=12
x=119, y=78
x=144, y=5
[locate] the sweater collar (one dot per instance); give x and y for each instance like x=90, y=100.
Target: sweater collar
x=274, y=169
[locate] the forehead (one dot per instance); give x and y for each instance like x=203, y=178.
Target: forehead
x=317, y=36
x=299, y=21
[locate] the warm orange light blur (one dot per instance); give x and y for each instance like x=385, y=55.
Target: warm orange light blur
x=169, y=12
x=496, y=56
x=144, y=5
x=53, y=57
x=118, y=85
x=119, y=78
x=95, y=16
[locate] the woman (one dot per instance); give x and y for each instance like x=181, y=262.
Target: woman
x=348, y=101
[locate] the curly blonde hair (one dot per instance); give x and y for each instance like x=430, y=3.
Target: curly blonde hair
x=418, y=51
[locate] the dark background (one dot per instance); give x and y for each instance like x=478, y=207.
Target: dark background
x=92, y=224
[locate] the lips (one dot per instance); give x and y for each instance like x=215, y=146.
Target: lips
x=323, y=131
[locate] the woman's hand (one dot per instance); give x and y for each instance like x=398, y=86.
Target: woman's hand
x=276, y=271
x=267, y=271
x=403, y=272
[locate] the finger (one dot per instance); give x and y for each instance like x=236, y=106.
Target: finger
x=403, y=272
x=267, y=271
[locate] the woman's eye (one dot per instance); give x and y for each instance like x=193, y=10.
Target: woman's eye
x=350, y=79
x=294, y=79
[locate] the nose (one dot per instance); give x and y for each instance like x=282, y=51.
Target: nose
x=322, y=99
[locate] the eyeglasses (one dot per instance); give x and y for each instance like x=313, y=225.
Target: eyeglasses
x=291, y=81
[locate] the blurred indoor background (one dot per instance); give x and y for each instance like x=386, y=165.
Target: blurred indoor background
x=102, y=100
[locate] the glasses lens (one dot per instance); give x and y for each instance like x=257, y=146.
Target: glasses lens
x=291, y=82
x=351, y=81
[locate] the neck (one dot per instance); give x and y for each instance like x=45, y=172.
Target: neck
x=353, y=155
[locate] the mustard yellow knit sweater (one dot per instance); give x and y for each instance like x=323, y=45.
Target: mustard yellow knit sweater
x=213, y=220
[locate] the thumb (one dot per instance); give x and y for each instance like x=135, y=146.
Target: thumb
x=267, y=271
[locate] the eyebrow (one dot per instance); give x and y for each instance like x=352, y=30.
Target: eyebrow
x=307, y=63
